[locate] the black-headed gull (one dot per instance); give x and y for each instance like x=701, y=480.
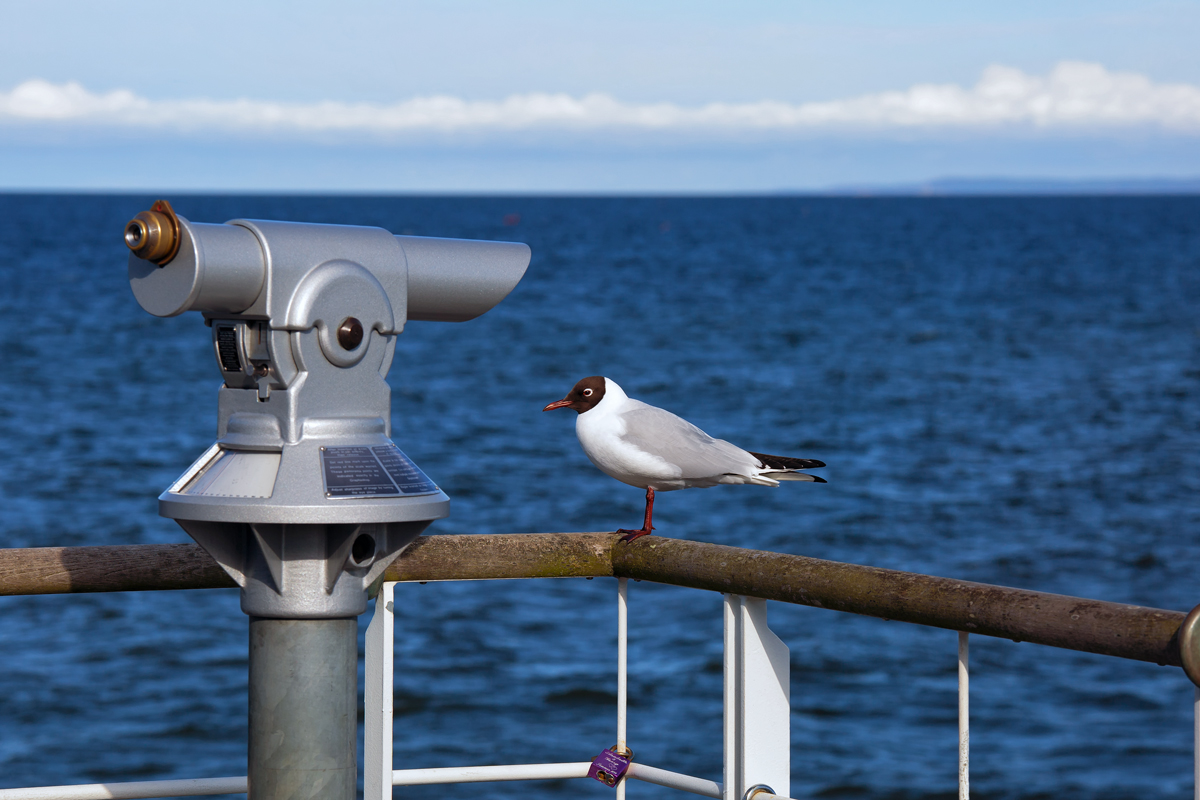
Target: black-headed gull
x=653, y=449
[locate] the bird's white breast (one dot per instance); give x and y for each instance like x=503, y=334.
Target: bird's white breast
x=601, y=431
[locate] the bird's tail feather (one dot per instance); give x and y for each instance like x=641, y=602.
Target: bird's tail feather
x=794, y=476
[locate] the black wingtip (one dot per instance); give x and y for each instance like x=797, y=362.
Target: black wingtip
x=818, y=479
x=787, y=462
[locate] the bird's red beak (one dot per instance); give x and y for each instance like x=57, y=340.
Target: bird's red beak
x=564, y=403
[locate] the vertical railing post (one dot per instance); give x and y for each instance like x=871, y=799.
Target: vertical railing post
x=731, y=774
x=757, y=714
x=1196, y=743
x=964, y=717
x=622, y=672
x=378, y=699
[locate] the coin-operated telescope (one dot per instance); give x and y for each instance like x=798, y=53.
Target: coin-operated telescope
x=304, y=499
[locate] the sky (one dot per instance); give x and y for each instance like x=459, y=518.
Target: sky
x=668, y=96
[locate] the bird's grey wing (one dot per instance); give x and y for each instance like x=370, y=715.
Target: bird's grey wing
x=679, y=442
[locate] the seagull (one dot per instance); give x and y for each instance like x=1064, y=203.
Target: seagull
x=651, y=448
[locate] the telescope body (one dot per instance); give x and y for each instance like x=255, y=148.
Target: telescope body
x=304, y=499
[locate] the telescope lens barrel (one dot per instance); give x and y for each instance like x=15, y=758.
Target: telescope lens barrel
x=228, y=268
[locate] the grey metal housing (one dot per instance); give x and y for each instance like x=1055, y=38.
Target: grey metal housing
x=300, y=382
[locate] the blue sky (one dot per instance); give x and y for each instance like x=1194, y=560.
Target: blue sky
x=571, y=97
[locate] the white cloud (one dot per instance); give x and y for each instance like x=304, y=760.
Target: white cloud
x=1074, y=95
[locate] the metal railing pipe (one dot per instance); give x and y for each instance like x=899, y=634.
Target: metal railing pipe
x=1094, y=626
x=145, y=567
x=503, y=772
x=673, y=780
x=1072, y=623
x=190, y=787
x=505, y=555
x=109, y=568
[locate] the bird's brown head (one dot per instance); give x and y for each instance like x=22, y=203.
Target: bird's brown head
x=584, y=397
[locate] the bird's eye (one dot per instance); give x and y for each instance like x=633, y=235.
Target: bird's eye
x=587, y=392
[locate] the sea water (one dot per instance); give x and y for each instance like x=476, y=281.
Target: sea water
x=1006, y=390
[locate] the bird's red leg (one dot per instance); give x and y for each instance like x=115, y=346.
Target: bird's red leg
x=646, y=526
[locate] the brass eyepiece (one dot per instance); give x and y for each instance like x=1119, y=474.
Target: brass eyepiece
x=154, y=234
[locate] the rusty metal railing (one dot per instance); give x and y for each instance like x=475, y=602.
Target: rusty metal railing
x=1073, y=623
x=1106, y=628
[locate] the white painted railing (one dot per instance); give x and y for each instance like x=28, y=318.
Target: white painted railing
x=756, y=727
x=757, y=724
x=964, y=718
x=134, y=790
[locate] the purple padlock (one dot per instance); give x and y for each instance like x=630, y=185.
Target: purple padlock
x=610, y=766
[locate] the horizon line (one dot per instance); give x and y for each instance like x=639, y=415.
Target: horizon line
x=969, y=186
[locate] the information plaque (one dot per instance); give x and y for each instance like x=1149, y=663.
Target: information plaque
x=382, y=471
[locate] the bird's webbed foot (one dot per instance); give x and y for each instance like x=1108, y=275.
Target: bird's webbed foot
x=631, y=535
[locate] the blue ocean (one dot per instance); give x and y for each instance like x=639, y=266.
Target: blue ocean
x=1005, y=390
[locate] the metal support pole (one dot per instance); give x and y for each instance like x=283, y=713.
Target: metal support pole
x=1196, y=743
x=303, y=709
x=622, y=673
x=964, y=729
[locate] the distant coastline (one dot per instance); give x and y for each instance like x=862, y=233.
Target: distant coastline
x=1017, y=186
